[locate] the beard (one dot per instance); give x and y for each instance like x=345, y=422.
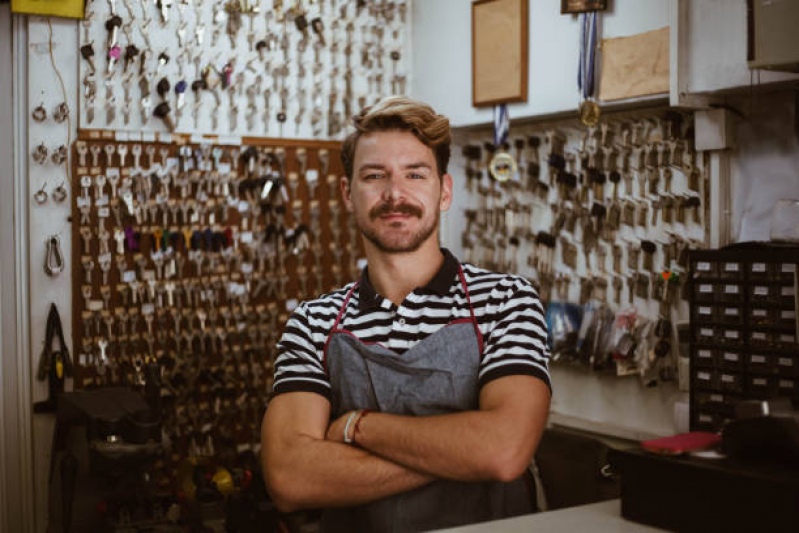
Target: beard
x=398, y=243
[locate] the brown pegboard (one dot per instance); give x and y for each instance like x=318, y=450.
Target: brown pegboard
x=223, y=357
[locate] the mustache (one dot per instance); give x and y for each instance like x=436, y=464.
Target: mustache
x=391, y=207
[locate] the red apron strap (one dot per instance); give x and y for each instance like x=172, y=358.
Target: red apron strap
x=471, y=310
x=336, y=323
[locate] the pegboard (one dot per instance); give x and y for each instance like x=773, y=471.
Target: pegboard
x=189, y=256
x=288, y=69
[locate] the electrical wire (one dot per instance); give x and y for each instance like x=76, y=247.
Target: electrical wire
x=64, y=95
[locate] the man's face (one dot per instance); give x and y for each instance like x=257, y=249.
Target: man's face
x=396, y=194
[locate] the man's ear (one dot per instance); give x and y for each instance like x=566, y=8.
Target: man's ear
x=446, y=192
x=346, y=192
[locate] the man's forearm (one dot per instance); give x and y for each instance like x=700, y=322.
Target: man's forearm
x=317, y=473
x=495, y=442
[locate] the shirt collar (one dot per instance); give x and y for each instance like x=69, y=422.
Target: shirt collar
x=441, y=283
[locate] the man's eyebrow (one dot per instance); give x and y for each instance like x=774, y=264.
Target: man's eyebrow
x=373, y=166
x=420, y=164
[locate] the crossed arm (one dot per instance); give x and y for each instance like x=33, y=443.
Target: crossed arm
x=307, y=465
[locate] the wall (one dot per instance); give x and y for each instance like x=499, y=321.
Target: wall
x=765, y=162
x=442, y=54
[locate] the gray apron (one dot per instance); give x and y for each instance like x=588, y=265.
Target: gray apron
x=436, y=376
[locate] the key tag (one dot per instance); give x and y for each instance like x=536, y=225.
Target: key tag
x=502, y=165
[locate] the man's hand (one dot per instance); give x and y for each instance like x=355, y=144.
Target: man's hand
x=304, y=470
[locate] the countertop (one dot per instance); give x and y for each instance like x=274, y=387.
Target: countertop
x=603, y=517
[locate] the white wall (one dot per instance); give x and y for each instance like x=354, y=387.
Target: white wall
x=765, y=165
x=442, y=54
x=717, y=45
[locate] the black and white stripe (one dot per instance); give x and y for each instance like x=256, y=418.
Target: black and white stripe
x=508, y=311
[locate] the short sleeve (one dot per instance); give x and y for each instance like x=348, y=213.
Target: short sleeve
x=298, y=364
x=516, y=337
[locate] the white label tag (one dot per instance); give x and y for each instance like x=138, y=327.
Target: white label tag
x=103, y=200
x=731, y=334
x=786, y=384
x=758, y=267
x=224, y=168
x=706, y=332
x=731, y=289
x=705, y=418
x=758, y=359
x=758, y=336
x=243, y=207
x=785, y=361
x=759, y=382
x=705, y=353
x=95, y=305
x=729, y=356
x=705, y=310
x=761, y=291
x=703, y=375
x=731, y=311
x=731, y=267
x=103, y=212
x=706, y=288
x=759, y=312
x=105, y=258
x=147, y=309
x=246, y=237
x=84, y=201
x=246, y=268
x=129, y=276
x=291, y=305
x=726, y=378
x=790, y=339
x=787, y=291
x=311, y=175
x=788, y=268
x=703, y=266
x=716, y=398
x=788, y=314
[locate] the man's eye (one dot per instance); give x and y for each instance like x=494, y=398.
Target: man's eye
x=372, y=176
x=417, y=176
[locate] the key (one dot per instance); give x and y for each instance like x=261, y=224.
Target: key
x=136, y=150
x=86, y=235
x=649, y=248
x=95, y=150
x=83, y=150
x=88, y=267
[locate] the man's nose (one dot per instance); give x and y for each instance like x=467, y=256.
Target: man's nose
x=394, y=188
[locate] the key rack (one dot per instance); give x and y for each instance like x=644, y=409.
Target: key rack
x=189, y=256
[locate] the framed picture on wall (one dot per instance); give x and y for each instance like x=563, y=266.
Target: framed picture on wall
x=582, y=6
x=499, y=52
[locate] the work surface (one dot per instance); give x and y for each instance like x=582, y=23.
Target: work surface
x=603, y=517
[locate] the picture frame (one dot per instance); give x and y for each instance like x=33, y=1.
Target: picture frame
x=582, y=6
x=499, y=51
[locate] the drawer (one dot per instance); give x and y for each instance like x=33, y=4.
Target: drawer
x=762, y=387
x=729, y=359
x=785, y=340
x=760, y=271
x=730, y=382
x=787, y=296
x=788, y=388
x=760, y=363
x=704, y=379
x=785, y=271
x=730, y=293
x=705, y=292
x=731, y=270
x=760, y=339
x=762, y=293
x=704, y=269
x=707, y=334
x=731, y=315
x=761, y=316
x=705, y=313
x=705, y=357
x=787, y=365
x=786, y=317
x=731, y=336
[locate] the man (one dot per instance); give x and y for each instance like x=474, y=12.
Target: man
x=434, y=373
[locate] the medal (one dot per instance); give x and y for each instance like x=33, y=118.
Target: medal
x=502, y=166
x=589, y=110
x=590, y=113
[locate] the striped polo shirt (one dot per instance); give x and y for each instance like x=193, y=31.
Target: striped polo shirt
x=507, y=308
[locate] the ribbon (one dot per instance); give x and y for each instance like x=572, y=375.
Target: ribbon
x=585, y=74
x=501, y=125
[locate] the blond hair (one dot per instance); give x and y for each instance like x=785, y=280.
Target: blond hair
x=401, y=113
